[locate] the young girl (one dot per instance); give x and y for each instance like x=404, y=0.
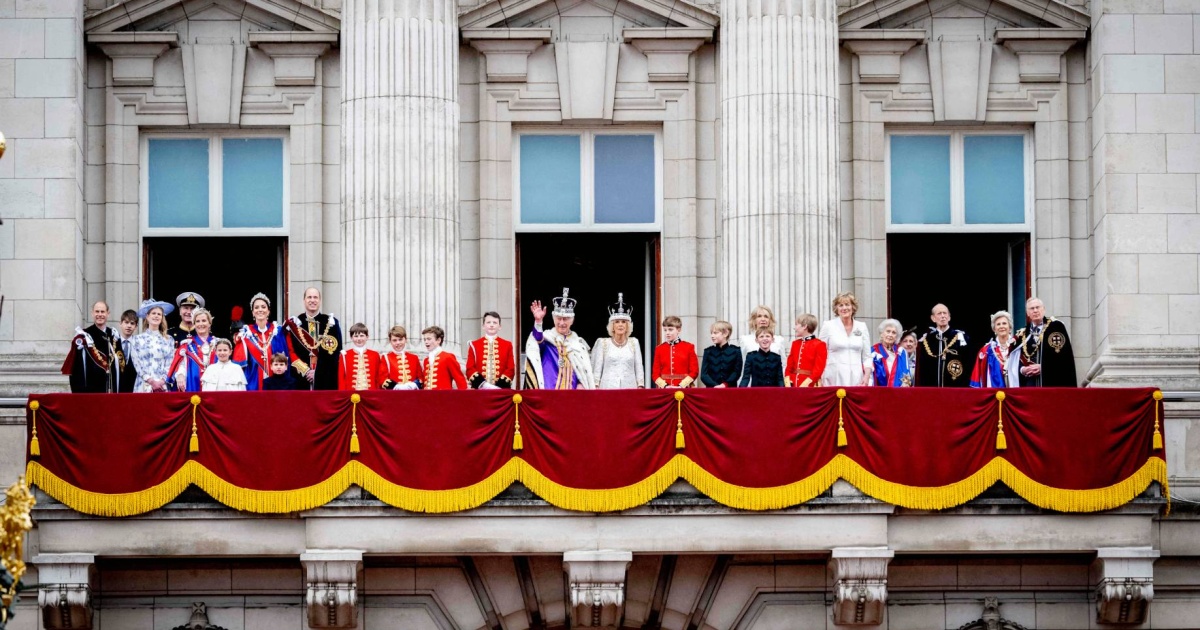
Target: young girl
x=224, y=375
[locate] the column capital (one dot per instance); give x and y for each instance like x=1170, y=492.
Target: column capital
x=331, y=587
x=1124, y=583
x=65, y=589
x=859, y=584
x=597, y=582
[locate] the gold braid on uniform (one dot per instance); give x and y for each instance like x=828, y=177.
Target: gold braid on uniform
x=945, y=349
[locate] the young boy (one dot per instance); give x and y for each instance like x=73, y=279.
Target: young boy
x=281, y=378
x=722, y=364
x=441, y=368
x=224, y=375
x=490, y=360
x=806, y=361
x=675, y=363
x=763, y=367
x=359, y=364
x=399, y=369
x=126, y=372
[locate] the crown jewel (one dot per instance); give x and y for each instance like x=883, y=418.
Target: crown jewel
x=564, y=306
x=620, y=310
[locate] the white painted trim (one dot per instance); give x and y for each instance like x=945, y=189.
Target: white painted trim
x=587, y=209
x=958, y=222
x=215, y=183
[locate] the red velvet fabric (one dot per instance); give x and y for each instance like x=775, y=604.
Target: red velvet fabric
x=1072, y=439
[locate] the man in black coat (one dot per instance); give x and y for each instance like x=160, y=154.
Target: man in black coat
x=1046, y=359
x=943, y=357
x=91, y=363
x=315, y=343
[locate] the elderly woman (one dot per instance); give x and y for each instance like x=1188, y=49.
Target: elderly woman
x=761, y=317
x=153, y=347
x=908, y=341
x=890, y=361
x=617, y=359
x=996, y=364
x=195, y=354
x=850, y=362
x=254, y=346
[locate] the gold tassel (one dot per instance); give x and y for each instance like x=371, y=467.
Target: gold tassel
x=1001, y=442
x=354, y=399
x=194, y=443
x=35, y=450
x=679, y=441
x=1158, y=435
x=518, y=442
x=842, y=441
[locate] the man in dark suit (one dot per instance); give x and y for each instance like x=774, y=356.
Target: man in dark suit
x=1047, y=359
x=315, y=343
x=90, y=364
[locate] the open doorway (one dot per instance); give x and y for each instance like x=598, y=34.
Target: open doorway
x=595, y=266
x=226, y=271
x=974, y=275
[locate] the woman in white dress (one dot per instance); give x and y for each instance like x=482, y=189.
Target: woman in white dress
x=153, y=349
x=850, y=361
x=617, y=359
x=761, y=317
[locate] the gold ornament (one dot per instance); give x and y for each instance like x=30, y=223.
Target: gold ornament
x=3, y=144
x=15, y=520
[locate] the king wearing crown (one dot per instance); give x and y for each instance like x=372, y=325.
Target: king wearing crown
x=557, y=358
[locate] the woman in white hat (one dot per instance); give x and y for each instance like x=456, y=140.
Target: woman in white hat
x=153, y=349
x=617, y=359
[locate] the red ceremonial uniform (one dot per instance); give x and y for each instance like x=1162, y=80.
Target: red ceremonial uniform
x=359, y=369
x=806, y=362
x=675, y=364
x=399, y=369
x=444, y=372
x=491, y=361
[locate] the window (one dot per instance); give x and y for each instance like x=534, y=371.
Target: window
x=959, y=181
x=226, y=183
x=587, y=180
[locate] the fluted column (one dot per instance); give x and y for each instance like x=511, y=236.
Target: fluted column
x=400, y=227
x=779, y=107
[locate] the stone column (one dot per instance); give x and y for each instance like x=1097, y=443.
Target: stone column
x=400, y=225
x=779, y=108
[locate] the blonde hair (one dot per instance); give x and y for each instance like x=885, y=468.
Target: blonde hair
x=609, y=326
x=761, y=308
x=808, y=321
x=722, y=326
x=846, y=296
x=162, y=323
x=202, y=311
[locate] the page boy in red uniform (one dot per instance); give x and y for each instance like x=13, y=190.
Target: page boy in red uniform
x=675, y=363
x=359, y=364
x=441, y=368
x=490, y=360
x=806, y=360
x=399, y=369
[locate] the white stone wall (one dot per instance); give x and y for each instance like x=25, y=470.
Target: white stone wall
x=1144, y=73
x=41, y=175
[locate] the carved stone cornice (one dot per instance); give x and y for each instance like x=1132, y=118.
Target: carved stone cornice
x=133, y=54
x=859, y=584
x=668, y=50
x=506, y=50
x=295, y=53
x=331, y=587
x=1125, y=585
x=597, y=583
x=65, y=590
x=1039, y=51
x=879, y=51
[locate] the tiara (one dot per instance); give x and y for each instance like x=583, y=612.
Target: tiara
x=620, y=310
x=564, y=306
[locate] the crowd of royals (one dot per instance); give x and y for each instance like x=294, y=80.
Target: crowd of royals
x=307, y=351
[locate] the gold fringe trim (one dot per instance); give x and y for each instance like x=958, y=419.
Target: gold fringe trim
x=606, y=500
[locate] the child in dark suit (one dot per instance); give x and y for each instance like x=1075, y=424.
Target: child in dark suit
x=281, y=377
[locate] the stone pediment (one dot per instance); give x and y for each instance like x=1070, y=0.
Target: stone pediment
x=907, y=14
x=259, y=15
x=630, y=13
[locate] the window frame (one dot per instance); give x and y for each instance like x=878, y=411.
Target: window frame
x=215, y=183
x=958, y=206
x=587, y=180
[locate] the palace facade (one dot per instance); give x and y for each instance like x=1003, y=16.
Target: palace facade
x=424, y=161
